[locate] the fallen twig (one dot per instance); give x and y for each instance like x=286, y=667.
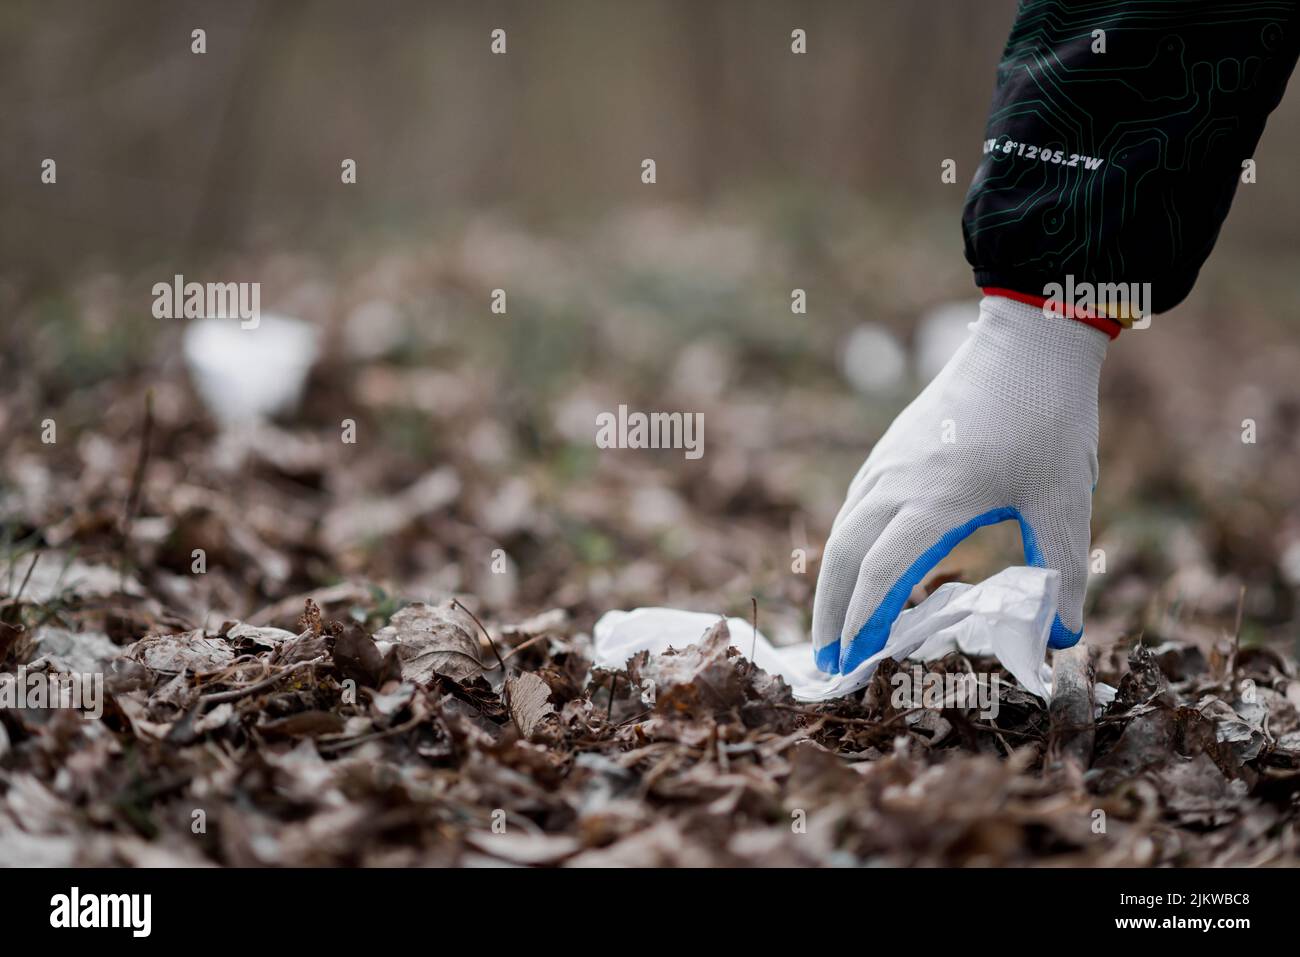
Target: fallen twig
x=491, y=643
x=1073, y=728
x=221, y=697
x=754, y=647
x=26, y=578
x=137, y=483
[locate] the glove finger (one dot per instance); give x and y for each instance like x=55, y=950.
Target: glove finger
x=854, y=532
x=863, y=482
x=905, y=552
x=1058, y=536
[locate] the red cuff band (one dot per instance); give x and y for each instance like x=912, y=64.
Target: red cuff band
x=1101, y=323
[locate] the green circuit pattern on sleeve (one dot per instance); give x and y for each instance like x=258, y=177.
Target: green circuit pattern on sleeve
x=1117, y=137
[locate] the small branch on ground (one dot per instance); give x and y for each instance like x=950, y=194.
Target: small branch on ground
x=223, y=696
x=1236, y=634
x=492, y=644
x=26, y=578
x=137, y=483
x=1073, y=730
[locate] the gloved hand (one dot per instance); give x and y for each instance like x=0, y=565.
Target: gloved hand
x=1007, y=430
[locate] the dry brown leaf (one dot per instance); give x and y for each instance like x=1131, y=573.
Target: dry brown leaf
x=190, y=651
x=433, y=640
x=358, y=658
x=530, y=706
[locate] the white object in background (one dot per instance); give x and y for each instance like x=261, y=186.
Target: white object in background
x=874, y=361
x=1290, y=564
x=940, y=332
x=1008, y=615
x=246, y=375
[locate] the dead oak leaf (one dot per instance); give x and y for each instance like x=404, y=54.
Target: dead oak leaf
x=530, y=705
x=190, y=651
x=700, y=679
x=358, y=657
x=433, y=640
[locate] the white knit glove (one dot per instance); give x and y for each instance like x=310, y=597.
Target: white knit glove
x=1008, y=430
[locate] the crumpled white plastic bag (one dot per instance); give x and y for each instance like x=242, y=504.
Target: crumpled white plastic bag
x=248, y=374
x=1008, y=615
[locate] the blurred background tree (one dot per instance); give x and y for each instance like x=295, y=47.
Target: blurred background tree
x=163, y=152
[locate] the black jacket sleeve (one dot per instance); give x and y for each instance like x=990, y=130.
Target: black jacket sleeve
x=1117, y=138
